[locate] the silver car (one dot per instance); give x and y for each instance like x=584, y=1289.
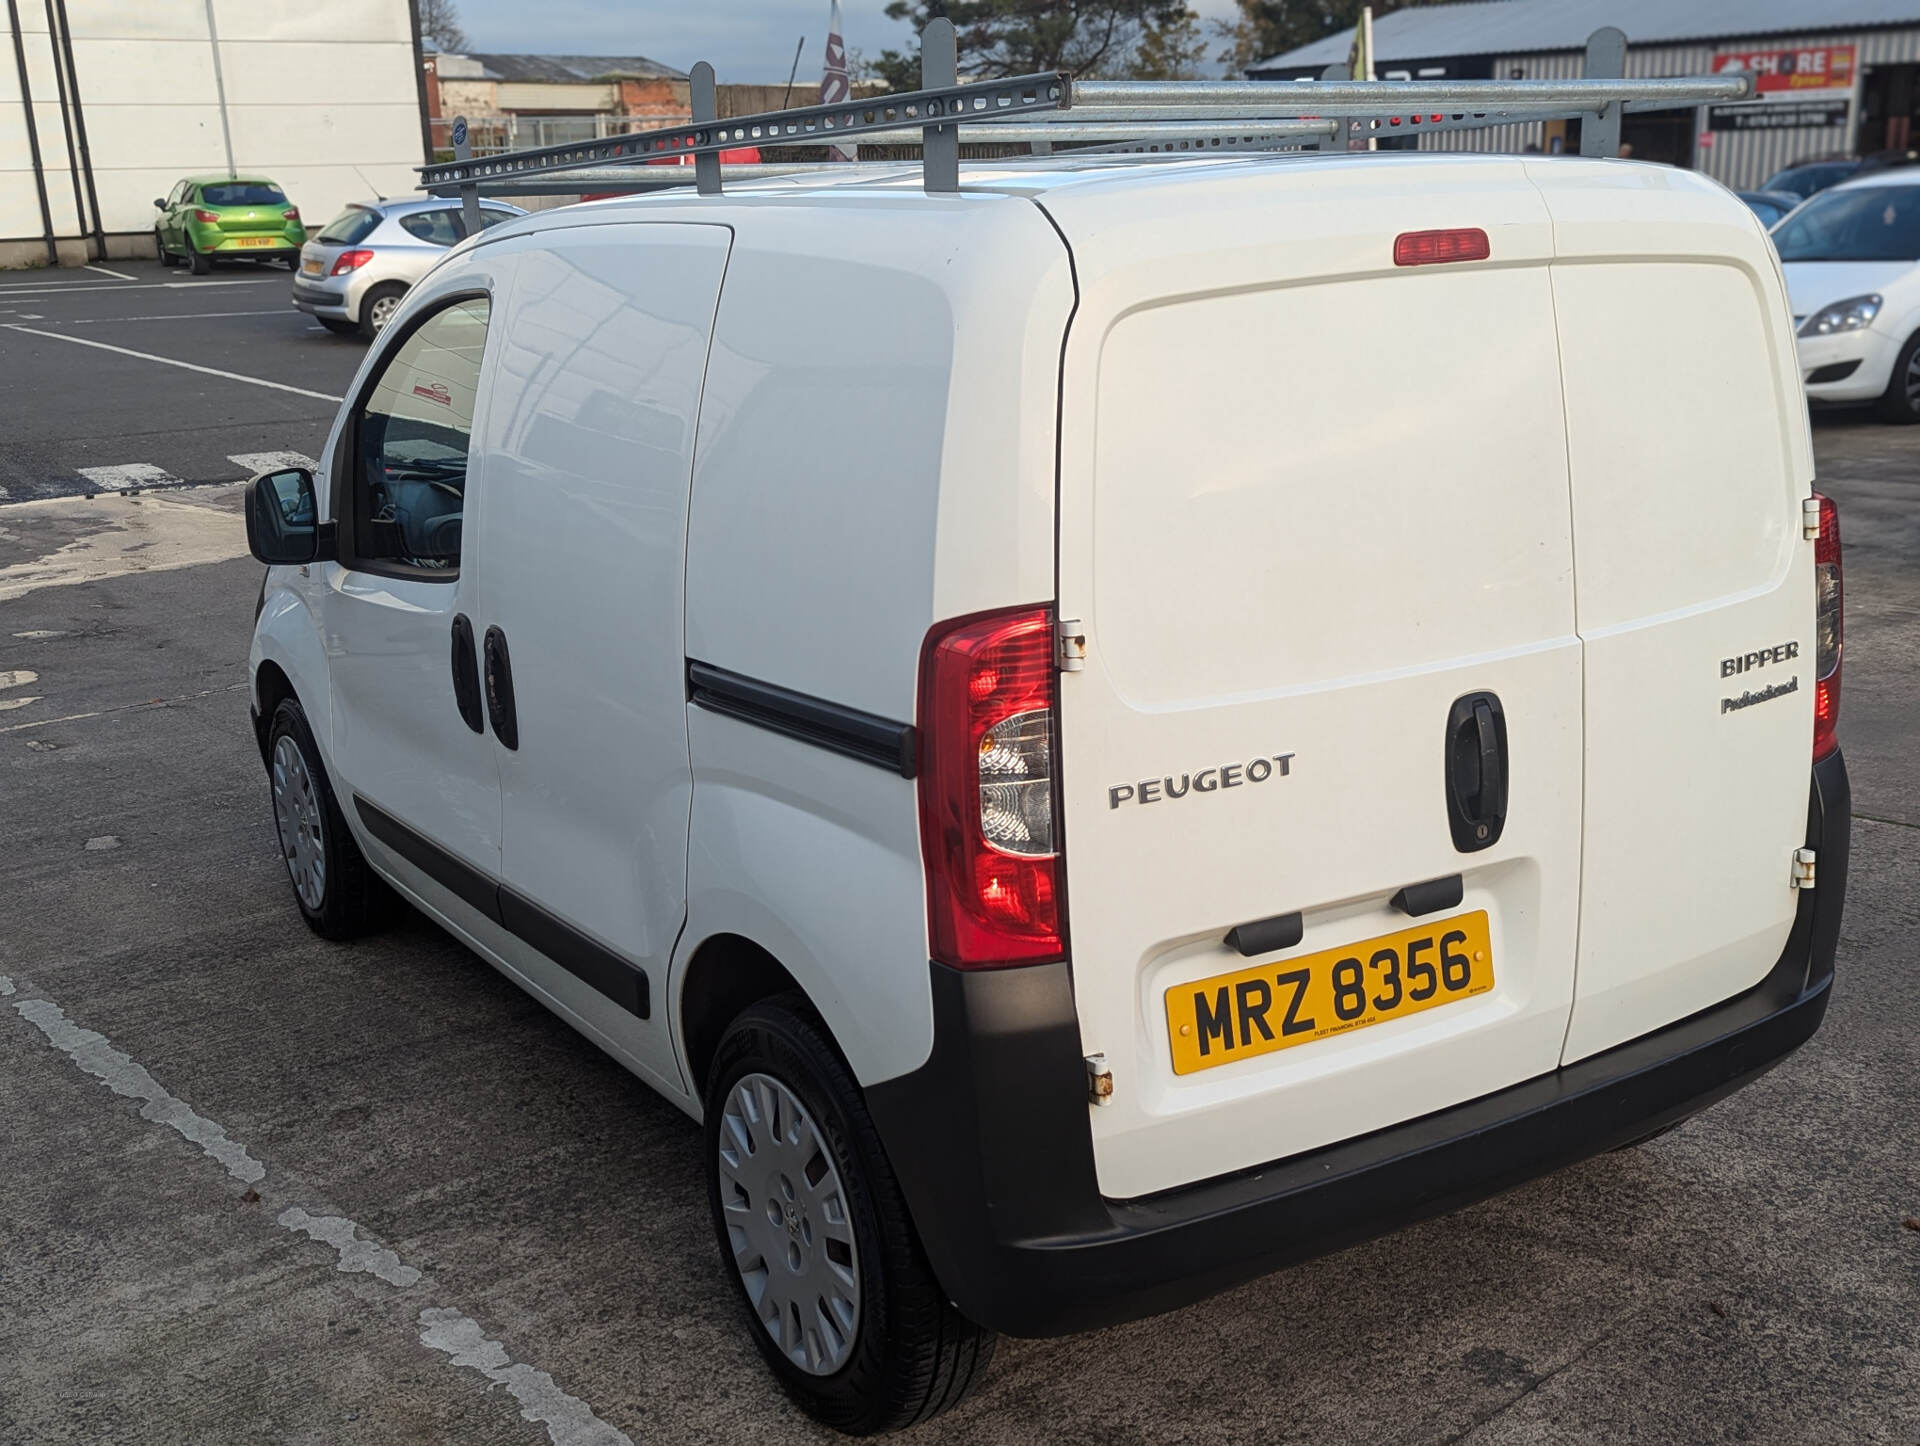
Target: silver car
x=354, y=271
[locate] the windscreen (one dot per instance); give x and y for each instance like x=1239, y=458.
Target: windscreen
x=243, y=193
x=1803, y=181
x=349, y=226
x=1876, y=223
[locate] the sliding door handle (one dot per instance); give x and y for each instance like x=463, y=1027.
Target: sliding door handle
x=500, y=707
x=466, y=674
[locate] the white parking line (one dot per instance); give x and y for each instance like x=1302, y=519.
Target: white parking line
x=120, y=477
x=252, y=462
x=108, y=271
x=172, y=362
x=173, y=316
x=41, y=288
x=569, y=1420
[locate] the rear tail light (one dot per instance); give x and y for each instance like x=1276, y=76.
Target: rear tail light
x=1829, y=627
x=206, y=218
x=292, y=213
x=350, y=261
x=989, y=809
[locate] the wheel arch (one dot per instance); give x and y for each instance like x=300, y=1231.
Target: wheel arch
x=723, y=976
x=288, y=661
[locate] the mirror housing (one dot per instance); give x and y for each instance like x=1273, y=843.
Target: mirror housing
x=159, y=205
x=283, y=519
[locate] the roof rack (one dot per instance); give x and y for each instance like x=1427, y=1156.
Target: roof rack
x=1162, y=118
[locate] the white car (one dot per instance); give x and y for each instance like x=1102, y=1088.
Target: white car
x=1100, y=755
x=1852, y=261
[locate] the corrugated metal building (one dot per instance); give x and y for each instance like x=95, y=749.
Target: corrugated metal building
x=105, y=104
x=1835, y=76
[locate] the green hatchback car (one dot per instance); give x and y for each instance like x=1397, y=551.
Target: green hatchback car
x=209, y=218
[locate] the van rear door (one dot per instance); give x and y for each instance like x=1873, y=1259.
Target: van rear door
x=1315, y=526
x=1690, y=456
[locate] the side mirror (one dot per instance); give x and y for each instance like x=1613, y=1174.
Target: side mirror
x=283, y=526
x=158, y=204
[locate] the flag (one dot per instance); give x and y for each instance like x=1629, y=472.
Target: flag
x=834, y=88
x=1359, y=66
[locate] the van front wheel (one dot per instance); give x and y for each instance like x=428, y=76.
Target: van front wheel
x=815, y=1235
x=339, y=895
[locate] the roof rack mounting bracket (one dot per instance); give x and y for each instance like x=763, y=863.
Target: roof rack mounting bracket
x=939, y=69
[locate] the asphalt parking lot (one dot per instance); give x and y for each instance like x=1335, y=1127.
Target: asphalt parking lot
x=256, y=1187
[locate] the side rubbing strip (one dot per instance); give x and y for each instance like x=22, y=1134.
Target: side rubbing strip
x=587, y=961
x=590, y=962
x=865, y=736
x=461, y=879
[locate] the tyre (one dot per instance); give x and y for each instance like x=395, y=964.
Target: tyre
x=338, y=327
x=378, y=306
x=1901, y=400
x=815, y=1236
x=339, y=895
x=198, y=260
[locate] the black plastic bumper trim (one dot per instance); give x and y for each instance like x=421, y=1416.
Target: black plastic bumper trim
x=1007, y=1204
x=1418, y=900
x=1265, y=936
x=865, y=736
x=585, y=958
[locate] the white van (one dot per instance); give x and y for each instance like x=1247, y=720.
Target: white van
x=1106, y=732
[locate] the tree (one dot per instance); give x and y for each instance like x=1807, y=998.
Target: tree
x=1273, y=27
x=1021, y=37
x=440, y=25
x=1173, y=51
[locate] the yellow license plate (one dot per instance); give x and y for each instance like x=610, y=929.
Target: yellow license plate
x=257, y=241
x=310, y=267
x=1285, y=1002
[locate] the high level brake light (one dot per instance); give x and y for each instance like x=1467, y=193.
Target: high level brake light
x=350, y=261
x=989, y=820
x=1431, y=248
x=1829, y=594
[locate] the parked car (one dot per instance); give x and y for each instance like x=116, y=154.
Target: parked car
x=1088, y=798
x=1770, y=206
x=353, y=273
x=1804, y=178
x=209, y=218
x=1852, y=262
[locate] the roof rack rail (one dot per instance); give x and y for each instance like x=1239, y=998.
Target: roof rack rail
x=1172, y=118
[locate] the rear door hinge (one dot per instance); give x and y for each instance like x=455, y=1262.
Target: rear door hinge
x=1803, y=868
x=1070, y=646
x=1810, y=518
x=1099, y=1080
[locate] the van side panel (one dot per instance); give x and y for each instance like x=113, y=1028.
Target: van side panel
x=875, y=452
x=1687, y=452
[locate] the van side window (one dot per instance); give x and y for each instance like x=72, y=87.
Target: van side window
x=411, y=433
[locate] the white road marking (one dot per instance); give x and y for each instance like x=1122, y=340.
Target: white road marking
x=42, y=288
x=7, y=705
x=143, y=704
x=128, y=474
x=252, y=462
x=108, y=271
x=569, y=1420
x=355, y=1254
x=150, y=535
x=17, y=677
x=33, y=635
x=171, y=362
x=95, y=1054
x=172, y=316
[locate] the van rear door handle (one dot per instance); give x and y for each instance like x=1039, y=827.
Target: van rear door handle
x=1476, y=771
x=500, y=708
x=466, y=674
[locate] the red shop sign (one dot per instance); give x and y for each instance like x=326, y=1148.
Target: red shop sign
x=1817, y=67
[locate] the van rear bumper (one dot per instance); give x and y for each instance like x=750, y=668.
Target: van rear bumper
x=990, y=1141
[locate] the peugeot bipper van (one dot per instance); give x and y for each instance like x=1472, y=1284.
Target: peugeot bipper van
x=1104, y=732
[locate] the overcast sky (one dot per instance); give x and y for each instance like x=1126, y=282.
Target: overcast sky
x=747, y=40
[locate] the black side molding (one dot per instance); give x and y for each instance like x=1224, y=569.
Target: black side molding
x=1263, y=936
x=587, y=960
x=848, y=731
x=1430, y=897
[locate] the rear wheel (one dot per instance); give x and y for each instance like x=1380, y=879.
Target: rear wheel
x=815, y=1234
x=339, y=895
x=338, y=327
x=1901, y=400
x=198, y=260
x=378, y=306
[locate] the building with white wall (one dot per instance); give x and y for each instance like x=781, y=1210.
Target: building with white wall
x=105, y=104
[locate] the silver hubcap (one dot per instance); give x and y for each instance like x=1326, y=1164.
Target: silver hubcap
x=383, y=311
x=296, y=811
x=788, y=1225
